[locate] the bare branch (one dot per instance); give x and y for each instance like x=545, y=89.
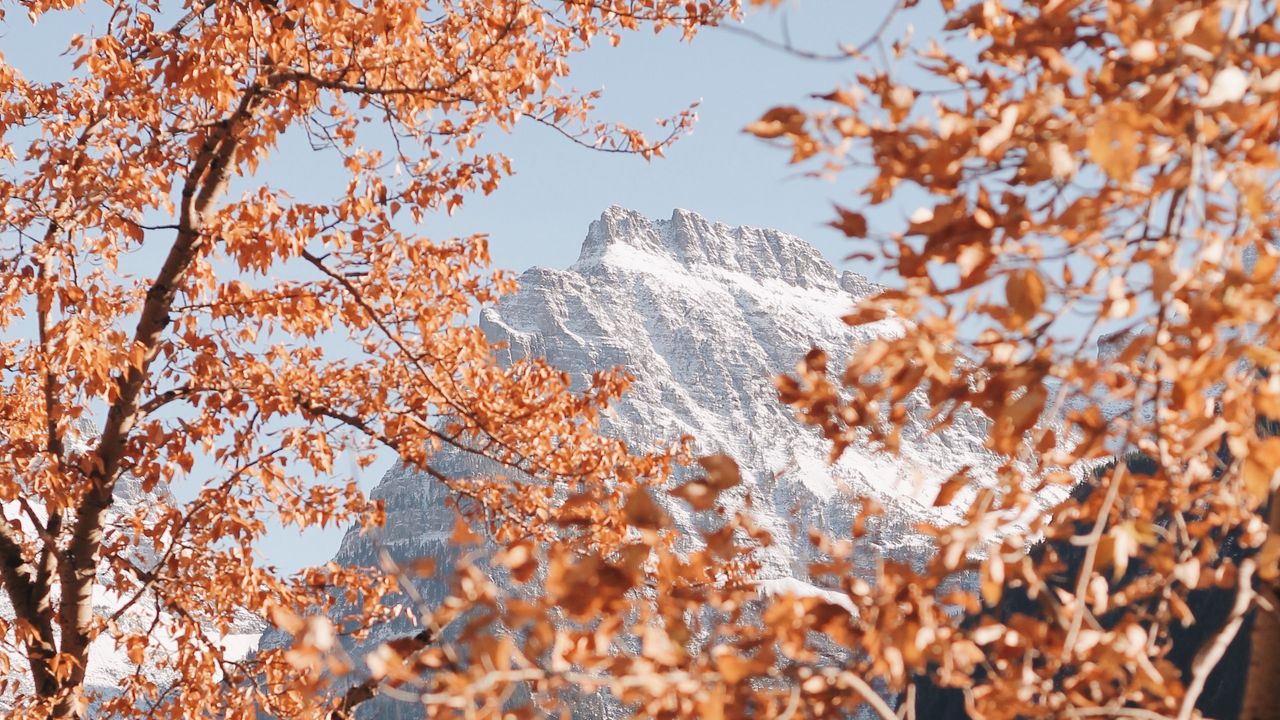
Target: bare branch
x=360, y=693
x=1209, y=655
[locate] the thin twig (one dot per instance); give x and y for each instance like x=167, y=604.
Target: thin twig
x=908, y=709
x=785, y=45
x=1209, y=656
x=1090, y=555
x=846, y=52
x=1114, y=712
x=872, y=698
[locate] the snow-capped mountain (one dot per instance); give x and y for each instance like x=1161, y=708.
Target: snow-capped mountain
x=703, y=315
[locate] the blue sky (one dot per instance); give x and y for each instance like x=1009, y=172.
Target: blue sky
x=539, y=216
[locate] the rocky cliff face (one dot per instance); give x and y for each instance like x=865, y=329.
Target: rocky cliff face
x=703, y=315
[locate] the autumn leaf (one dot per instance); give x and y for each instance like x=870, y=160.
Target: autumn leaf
x=1025, y=292
x=733, y=667
x=1113, y=142
x=1259, y=471
x=870, y=509
x=1062, y=162
x=1263, y=357
x=423, y=566
x=1228, y=85
x=656, y=645
x=850, y=223
x=642, y=512
x=993, y=580
x=1000, y=133
x=1269, y=559
x=1122, y=544
x=1254, y=194
x=954, y=484
x=463, y=534
x=1026, y=410
x=777, y=122
x=521, y=560
x=973, y=257
x=699, y=494
x=722, y=471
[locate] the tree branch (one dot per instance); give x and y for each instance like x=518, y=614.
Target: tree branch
x=20, y=581
x=1209, y=655
x=369, y=689
x=203, y=186
x=1090, y=556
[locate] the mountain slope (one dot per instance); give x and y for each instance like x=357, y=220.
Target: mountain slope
x=703, y=315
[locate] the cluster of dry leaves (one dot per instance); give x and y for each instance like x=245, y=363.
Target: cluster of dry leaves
x=232, y=341
x=1081, y=168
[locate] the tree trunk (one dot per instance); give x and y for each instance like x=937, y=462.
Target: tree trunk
x=1262, y=689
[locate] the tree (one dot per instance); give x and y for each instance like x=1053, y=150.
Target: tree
x=156, y=280
x=1082, y=170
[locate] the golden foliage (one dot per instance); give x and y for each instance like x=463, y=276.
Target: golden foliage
x=234, y=343
x=1088, y=174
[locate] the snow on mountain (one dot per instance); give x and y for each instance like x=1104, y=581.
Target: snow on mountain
x=703, y=315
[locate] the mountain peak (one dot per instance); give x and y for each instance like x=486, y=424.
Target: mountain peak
x=626, y=237
x=702, y=316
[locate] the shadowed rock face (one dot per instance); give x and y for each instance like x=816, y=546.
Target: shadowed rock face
x=1223, y=695
x=703, y=315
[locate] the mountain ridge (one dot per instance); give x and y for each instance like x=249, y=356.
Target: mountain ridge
x=703, y=315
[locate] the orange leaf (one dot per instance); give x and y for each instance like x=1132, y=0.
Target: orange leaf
x=953, y=485
x=643, y=512
x=1113, y=143
x=777, y=122
x=1269, y=559
x=1259, y=471
x=698, y=494
x=852, y=224
x=1025, y=292
x=722, y=470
